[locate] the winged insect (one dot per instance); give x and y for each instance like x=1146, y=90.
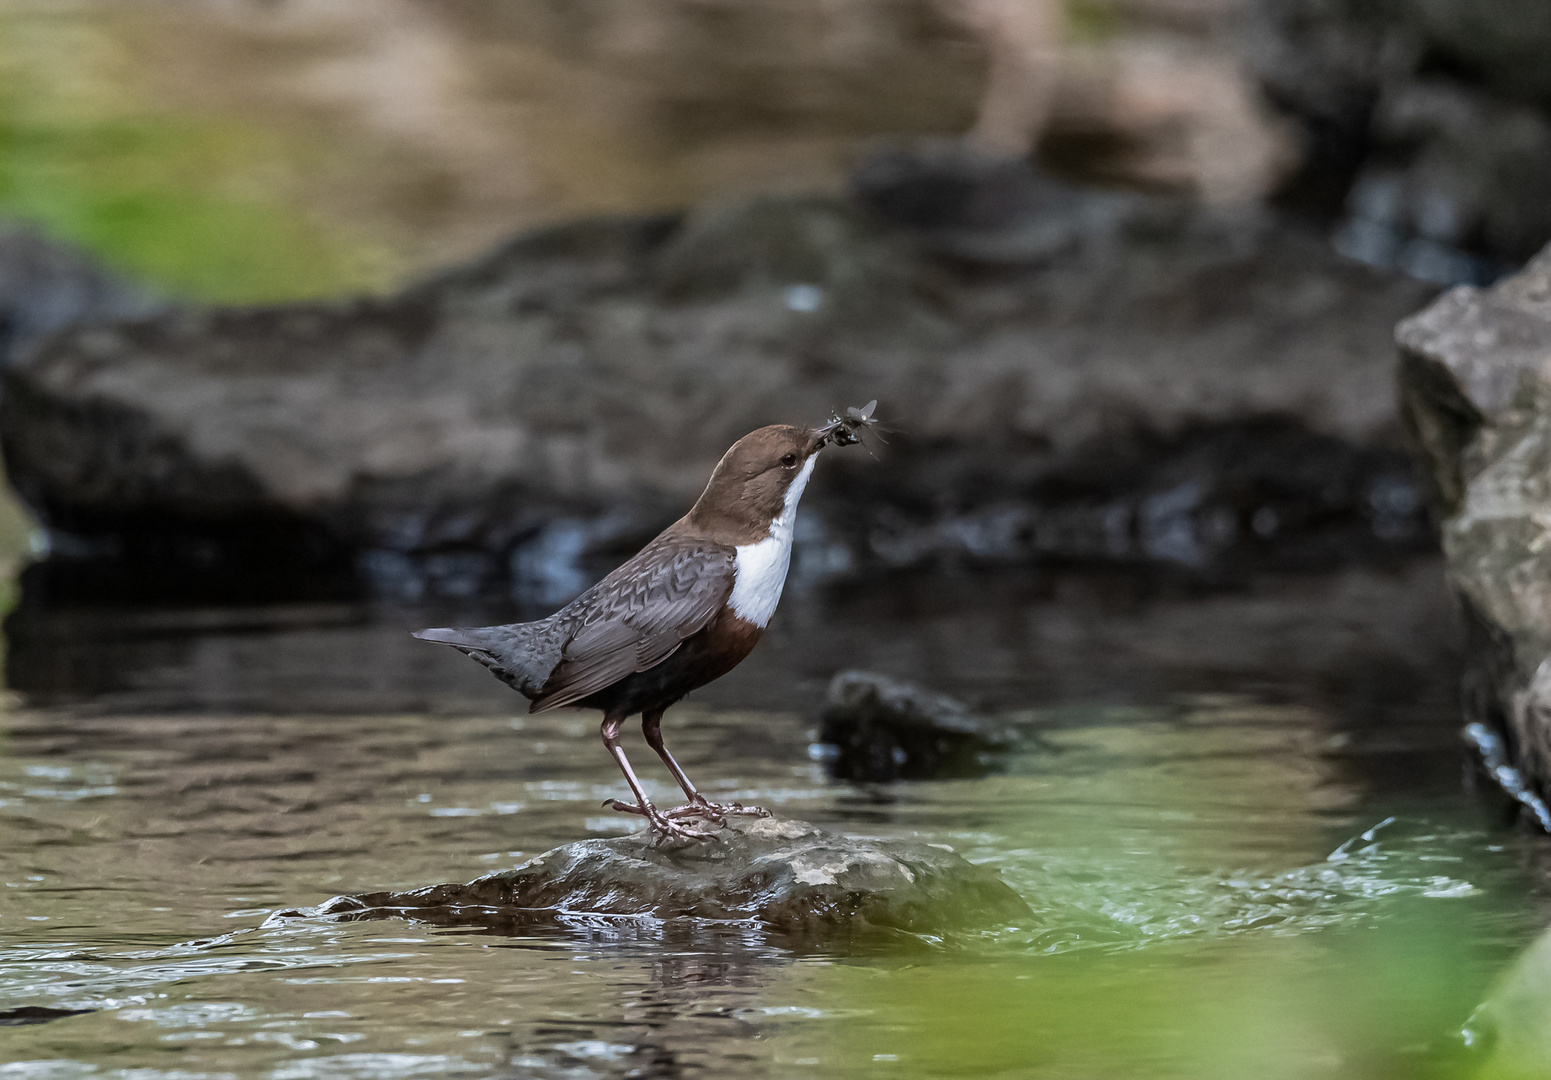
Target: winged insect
x=843, y=428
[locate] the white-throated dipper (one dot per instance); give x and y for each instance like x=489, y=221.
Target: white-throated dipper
x=684, y=611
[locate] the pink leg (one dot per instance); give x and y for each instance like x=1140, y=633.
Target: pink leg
x=659, y=822
x=698, y=805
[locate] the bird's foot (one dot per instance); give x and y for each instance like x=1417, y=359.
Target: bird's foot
x=701, y=807
x=662, y=825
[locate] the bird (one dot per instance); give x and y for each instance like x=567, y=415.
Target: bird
x=685, y=610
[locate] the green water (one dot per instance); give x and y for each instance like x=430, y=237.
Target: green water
x=1236, y=883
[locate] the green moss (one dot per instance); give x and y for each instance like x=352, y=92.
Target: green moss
x=195, y=204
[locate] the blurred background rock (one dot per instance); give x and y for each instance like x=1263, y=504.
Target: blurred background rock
x=1426, y=125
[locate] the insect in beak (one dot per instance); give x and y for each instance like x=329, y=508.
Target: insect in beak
x=842, y=430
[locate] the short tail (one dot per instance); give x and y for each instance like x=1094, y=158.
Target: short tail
x=521, y=655
x=451, y=635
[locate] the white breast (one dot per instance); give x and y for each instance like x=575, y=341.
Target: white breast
x=761, y=567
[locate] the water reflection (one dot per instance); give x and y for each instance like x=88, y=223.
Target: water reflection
x=1240, y=829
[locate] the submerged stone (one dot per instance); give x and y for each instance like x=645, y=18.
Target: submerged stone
x=787, y=874
x=885, y=729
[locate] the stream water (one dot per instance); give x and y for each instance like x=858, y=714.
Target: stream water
x=1243, y=836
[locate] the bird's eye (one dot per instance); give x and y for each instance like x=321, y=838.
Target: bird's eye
x=788, y=460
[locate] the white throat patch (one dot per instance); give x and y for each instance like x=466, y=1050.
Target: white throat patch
x=761, y=567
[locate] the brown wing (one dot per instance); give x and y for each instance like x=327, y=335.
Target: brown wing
x=637, y=616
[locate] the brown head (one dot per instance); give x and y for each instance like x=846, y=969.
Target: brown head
x=749, y=487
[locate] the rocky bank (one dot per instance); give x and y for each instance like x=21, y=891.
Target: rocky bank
x=1116, y=378
x=1475, y=391
x=886, y=729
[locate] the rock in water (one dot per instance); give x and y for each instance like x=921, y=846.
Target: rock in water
x=886, y=729
x=1475, y=391
x=788, y=874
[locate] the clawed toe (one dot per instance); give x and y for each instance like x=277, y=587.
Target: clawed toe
x=662, y=825
x=691, y=811
x=710, y=811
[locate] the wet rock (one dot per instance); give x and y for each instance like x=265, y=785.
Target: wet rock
x=787, y=874
x=883, y=729
x=558, y=400
x=1475, y=391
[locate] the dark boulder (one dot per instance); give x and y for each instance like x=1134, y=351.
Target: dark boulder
x=569, y=393
x=883, y=729
x=1475, y=391
x=789, y=875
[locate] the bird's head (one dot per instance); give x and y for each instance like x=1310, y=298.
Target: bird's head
x=755, y=487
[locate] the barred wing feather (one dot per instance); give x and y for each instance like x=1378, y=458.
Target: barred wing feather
x=638, y=616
